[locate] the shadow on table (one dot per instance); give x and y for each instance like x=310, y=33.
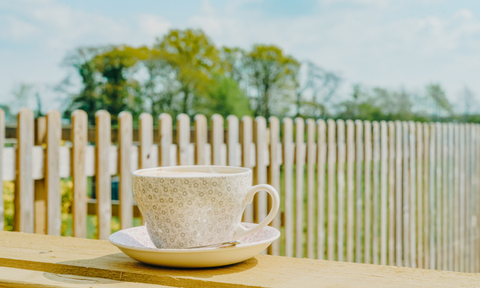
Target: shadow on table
x=118, y=266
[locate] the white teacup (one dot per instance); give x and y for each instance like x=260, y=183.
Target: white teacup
x=189, y=206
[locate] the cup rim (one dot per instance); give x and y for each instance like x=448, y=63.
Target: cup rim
x=241, y=170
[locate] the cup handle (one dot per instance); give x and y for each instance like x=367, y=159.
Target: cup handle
x=241, y=231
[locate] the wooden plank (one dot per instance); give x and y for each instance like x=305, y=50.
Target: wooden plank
x=299, y=193
x=40, y=225
x=391, y=193
x=341, y=190
x=412, y=197
x=260, y=170
x=273, y=167
x=217, y=140
x=2, y=144
x=477, y=199
x=52, y=175
x=398, y=194
x=183, y=138
x=456, y=226
x=406, y=196
x=420, y=191
x=462, y=198
x=246, y=138
x=145, y=130
x=383, y=192
x=467, y=198
x=288, y=154
x=200, y=139
x=79, y=179
x=450, y=209
x=359, y=192
x=125, y=194
x=165, y=140
x=444, y=196
x=22, y=278
x=350, y=191
x=426, y=195
x=367, y=184
x=471, y=216
x=103, y=260
x=432, y=202
x=331, y=188
x=102, y=176
x=321, y=162
x=24, y=197
x=376, y=194
x=438, y=197
x=232, y=142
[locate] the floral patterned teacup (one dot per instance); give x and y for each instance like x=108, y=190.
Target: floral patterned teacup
x=189, y=206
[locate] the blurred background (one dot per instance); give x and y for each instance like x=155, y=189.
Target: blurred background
x=358, y=59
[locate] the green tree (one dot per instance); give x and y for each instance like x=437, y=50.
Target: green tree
x=272, y=75
x=441, y=105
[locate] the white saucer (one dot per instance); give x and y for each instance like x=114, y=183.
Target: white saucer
x=136, y=243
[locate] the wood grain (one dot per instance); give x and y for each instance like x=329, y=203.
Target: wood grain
x=217, y=140
x=145, y=130
x=367, y=185
x=359, y=232
x=94, y=258
x=299, y=193
x=79, y=178
x=391, y=193
x=260, y=169
x=102, y=176
x=350, y=234
x=246, y=138
x=125, y=193
x=311, y=160
x=273, y=171
x=165, y=140
x=331, y=188
x=383, y=192
x=406, y=195
x=420, y=196
x=341, y=190
x=200, y=139
x=398, y=194
x=321, y=209
x=376, y=194
x=24, y=197
x=412, y=196
x=52, y=174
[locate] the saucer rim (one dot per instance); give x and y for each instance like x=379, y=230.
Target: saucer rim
x=196, y=250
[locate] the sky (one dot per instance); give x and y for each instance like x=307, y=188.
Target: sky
x=393, y=44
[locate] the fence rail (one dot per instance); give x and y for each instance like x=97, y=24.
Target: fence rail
x=390, y=193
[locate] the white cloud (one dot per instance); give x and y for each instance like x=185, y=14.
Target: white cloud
x=14, y=28
x=152, y=25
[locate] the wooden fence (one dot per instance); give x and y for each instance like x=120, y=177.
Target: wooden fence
x=390, y=193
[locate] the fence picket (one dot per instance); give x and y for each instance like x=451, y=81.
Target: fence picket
x=273, y=172
x=350, y=189
x=102, y=174
x=376, y=194
x=431, y=200
x=146, y=141
x=398, y=193
x=233, y=154
x=471, y=215
x=125, y=134
x=451, y=211
x=52, y=174
x=391, y=193
x=246, y=135
x=183, y=139
x=420, y=191
x=321, y=162
x=444, y=197
x=412, y=197
x=359, y=191
x=341, y=190
x=24, y=197
x=456, y=230
x=200, y=139
x=79, y=178
x=2, y=144
x=383, y=192
x=367, y=184
x=165, y=140
x=462, y=198
x=438, y=197
x=406, y=194
x=260, y=170
x=477, y=199
x=466, y=207
x=299, y=193
x=331, y=199
x=218, y=157
x=426, y=195
x=311, y=159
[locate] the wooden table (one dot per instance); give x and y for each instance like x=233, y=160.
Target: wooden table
x=32, y=260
